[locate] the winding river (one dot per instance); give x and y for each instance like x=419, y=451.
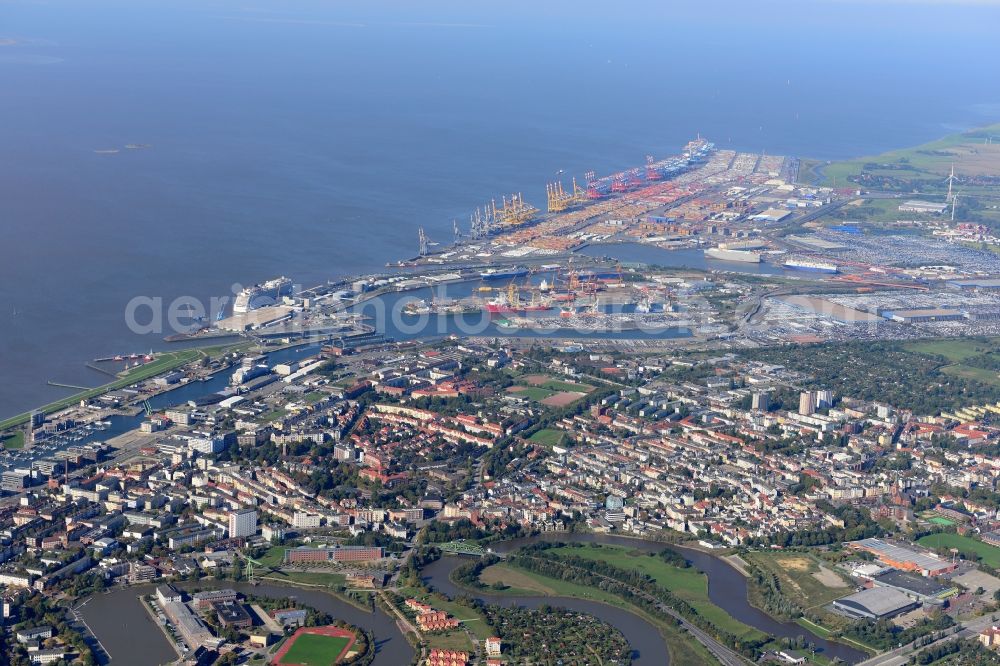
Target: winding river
x=648, y=648
x=727, y=588
x=126, y=631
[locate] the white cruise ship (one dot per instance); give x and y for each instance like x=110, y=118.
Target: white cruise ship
x=262, y=295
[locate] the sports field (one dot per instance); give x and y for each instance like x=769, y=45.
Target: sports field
x=938, y=520
x=549, y=391
x=531, y=392
x=315, y=646
x=548, y=437
x=562, y=399
x=965, y=545
x=549, y=382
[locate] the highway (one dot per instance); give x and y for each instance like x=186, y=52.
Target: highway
x=899, y=656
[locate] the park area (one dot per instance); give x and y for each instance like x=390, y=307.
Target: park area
x=315, y=646
x=686, y=583
x=505, y=579
x=969, y=358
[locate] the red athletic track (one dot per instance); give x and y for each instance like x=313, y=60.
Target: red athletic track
x=322, y=631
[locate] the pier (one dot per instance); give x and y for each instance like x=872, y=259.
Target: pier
x=69, y=386
x=101, y=370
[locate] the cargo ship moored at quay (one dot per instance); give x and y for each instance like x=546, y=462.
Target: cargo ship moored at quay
x=742, y=256
x=811, y=265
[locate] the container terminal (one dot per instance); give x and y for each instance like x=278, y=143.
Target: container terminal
x=562, y=267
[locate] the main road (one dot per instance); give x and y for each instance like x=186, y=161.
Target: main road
x=901, y=655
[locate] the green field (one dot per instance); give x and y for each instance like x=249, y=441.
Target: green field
x=274, y=557
x=522, y=582
x=314, y=397
x=548, y=437
x=332, y=580
x=315, y=650
x=956, y=351
x=535, y=393
x=801, y=577
x=556, y=385
x=272, y=415
x=688, y=584
x=938, y=520
x=966, y=545
x=977, y=374
x=14, y=440
x=515, y=581
x=874, y=212
x=683, y=650
x=930, y=161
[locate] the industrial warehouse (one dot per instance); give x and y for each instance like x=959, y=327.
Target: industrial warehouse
x=906, y=559
x=877, y=603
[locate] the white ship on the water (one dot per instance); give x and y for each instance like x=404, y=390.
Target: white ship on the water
x=723, y=254
x=262, y=295
x=811, y=265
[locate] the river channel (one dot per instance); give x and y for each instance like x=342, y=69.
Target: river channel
x=648, y=648
x=131, y=637
x=727, y=588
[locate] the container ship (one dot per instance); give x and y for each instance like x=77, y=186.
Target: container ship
x=743, y=256
x=811, y=265
x=501, y=306
x=262, y=295
x=503, y=273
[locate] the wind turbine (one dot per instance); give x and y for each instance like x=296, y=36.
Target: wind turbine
x=951, y=180
x=954, y=200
